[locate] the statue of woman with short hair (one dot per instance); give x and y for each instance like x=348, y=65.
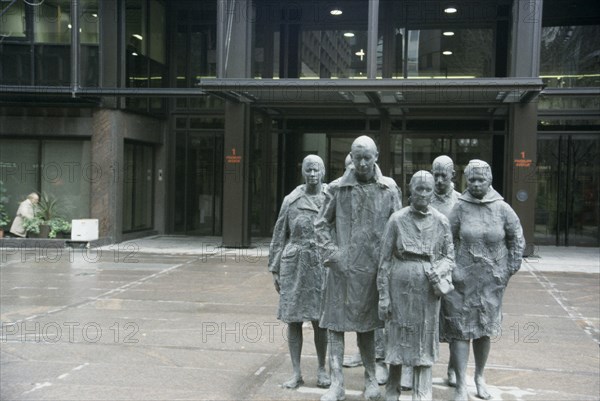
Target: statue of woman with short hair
x=297, y=269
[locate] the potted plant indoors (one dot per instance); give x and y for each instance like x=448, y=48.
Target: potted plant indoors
x=4, y=219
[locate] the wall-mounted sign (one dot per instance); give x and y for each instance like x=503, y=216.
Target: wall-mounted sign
x=523, y=162
x=233, y=158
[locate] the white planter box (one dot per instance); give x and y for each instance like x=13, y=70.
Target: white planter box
x=84, y=230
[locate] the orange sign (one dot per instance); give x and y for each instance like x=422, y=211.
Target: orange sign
x=233, y=158
x=523, y=162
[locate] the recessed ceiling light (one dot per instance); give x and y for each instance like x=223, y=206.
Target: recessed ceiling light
x=448, y=33
x=69, y=26
x=138, y=36
x=336, y=11
x=134, y=54
x=349, y=34
x=447, y=53
x=450, y=10
x=95, y=15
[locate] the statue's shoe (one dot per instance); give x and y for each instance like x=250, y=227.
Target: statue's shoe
x=372, y=392
x=335, y=393
x=293, y=383
x=323, y=380
x=381, y=372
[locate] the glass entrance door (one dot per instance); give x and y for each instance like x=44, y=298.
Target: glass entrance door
x=198, y=183
x=568, y=190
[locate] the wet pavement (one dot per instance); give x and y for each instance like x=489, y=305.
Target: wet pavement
x=175, y=318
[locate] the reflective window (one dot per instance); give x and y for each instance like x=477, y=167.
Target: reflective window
x=67, y=174
x=316, y=39
x=59, y=168
x=89, y=39
x=198, y=187
x=423, y=40
x=15, y=64
x=568, y=190
x=194, y=47
x=569, y=48
x=465, y=54
x=35, y=45
x=569, y=56
x=52, y=22
x=263, y=176
x=145, y=32
x=138, y=197
x=13, y=23
x=569, y=103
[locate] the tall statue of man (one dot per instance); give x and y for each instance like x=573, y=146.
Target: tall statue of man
x=349, y=228
x=444, y=195
x=444, y=199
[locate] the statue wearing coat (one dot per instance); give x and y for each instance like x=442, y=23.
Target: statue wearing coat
x=349, y=229
x=297, y=270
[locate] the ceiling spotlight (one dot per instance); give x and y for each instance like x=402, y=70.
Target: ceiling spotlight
x=138, y=36
x=69, y=26
x=95, y=15
x=447, y=53
x=349, y=34
x=134, y=54
x=450, y=10
x=448, y=33
x=336, y=12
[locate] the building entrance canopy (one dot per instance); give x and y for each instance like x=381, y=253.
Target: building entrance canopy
x=370, y=96
x=391, y=94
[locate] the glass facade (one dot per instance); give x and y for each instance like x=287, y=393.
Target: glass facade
x=198, y=184
x=316, y=39
x=138, y=189
x=421, y=40
x=265, y=187
x=145, y=41
x=59, y=168
x=569, y=44
x=36, y=43
x=569, y=57
x=568, y=190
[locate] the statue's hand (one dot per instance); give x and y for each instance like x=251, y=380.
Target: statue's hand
x=333, y=262
x=384, y=308
x=276, y=282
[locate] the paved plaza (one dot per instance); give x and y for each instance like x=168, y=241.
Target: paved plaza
x=179, y=318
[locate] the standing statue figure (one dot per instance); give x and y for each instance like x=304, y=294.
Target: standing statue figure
x=350, y=228
x=297, y=269
x=444, y=195
x=489, y=247
x=415, y=270
x=26, y=210
x=444, y=199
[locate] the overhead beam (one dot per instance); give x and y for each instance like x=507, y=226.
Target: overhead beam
x=246, y=86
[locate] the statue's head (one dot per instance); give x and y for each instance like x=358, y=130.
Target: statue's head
x=479, y=178
x=364, y=156
x=421, y=189
x=313, y=170
x=443, y=172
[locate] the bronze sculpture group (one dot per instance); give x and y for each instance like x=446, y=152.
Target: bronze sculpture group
x=347, y=257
